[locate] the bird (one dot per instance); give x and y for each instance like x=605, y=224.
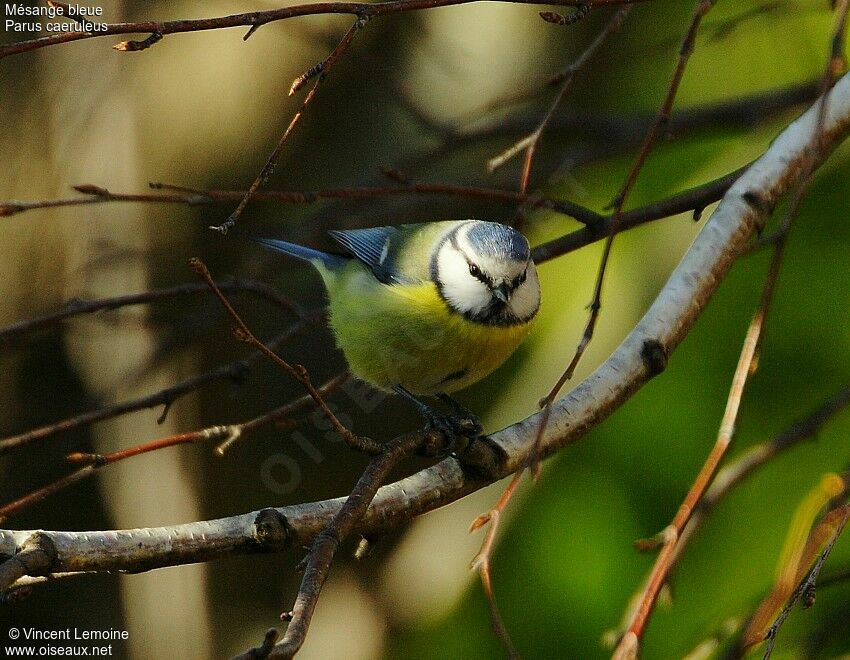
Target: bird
x=427, y=309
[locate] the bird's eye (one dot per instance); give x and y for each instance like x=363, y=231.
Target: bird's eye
x=519, y=280
x=474, y=270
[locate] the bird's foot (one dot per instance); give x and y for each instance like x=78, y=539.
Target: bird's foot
x=459, y=428
x=445, y=434
x=467, y=423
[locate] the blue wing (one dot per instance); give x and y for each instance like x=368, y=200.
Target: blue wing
x=372, y=246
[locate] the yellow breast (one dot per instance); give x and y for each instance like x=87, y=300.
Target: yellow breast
x=406, y=335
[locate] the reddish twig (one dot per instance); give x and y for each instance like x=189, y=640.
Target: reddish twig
x=229, y=434
x=747, y=362
x=95, y=461
x=662, y=119
x=318, y=72
x=737, y=471
x=481, y=562
x=233, y=371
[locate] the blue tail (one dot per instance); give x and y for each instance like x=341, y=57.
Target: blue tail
x=328, y=260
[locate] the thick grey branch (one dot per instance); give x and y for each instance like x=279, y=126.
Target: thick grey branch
x=743, y=211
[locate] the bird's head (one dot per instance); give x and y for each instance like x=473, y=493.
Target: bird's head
x=484, y=271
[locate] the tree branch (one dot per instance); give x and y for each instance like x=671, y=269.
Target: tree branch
x=597, y=226
x=193, y=197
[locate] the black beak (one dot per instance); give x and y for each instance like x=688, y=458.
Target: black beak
x=502, y=292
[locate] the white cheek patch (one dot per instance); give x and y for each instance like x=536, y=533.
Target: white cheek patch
x=526, y=297
x=464, y=292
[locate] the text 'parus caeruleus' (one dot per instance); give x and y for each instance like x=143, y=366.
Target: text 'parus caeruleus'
x=426, y=309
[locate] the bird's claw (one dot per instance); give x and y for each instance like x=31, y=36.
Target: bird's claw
x=454, y=433
x=469, y=426
x=464, y=421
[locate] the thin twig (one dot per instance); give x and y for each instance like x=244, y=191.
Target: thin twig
x=670, y=537
x=318, y=72
x=297, y=371
x=324, y=547
x=596, y=227
x=256, y=19
x=695, y=200
x=229, y=434
x=193, y=197
x=531, y=142
x=96, y=461
x=662, y=119
x=233, y=371
x=77, y=307
x=481, y=562
x=745, y=465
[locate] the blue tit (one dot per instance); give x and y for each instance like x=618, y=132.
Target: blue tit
x=426, y=309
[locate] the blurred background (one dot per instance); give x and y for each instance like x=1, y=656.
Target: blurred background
x=424, y=93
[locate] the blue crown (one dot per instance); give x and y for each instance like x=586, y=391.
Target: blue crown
x=499, y=241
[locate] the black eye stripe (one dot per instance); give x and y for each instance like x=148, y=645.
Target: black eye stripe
x=475, y=271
